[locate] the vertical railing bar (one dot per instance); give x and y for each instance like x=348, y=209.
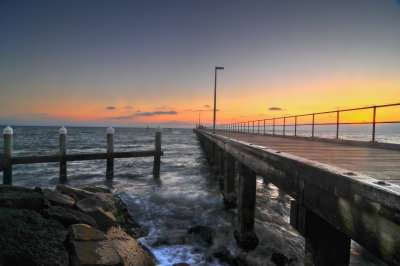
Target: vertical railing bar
x=273, y=127
x=312, y=133
x=337, y=124
x=284, y=125
x=295, y=125
x=373, y=124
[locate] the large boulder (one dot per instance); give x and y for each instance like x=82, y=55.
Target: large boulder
x=104, y=219
x=21, y=199
x=55, y=197
x=28, y=239
x=131, y=251
x=89, y=246
x=68, y=217
x=76, y=193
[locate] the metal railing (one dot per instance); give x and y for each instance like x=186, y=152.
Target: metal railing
x=261, y=126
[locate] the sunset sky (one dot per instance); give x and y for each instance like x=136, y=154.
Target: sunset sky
x=129, y=63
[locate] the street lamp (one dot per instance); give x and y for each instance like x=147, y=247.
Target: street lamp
x=215, y=95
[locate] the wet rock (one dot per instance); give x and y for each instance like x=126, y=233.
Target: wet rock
x=76, y=193
x=281, y=259
x=103, y=218
x=89, y=246
x=95, y=189
x=56, y=198
x=68, y=217
x=223, y=255
x=131, y=251
x=21, y=199
x=202, y=234
x=181, y=264
x=28, y=239
x=7, y=188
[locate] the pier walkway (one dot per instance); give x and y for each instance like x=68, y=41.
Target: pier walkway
x=342, y=190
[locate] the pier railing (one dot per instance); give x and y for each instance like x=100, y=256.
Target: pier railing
x=280, y=125
x=7, y=160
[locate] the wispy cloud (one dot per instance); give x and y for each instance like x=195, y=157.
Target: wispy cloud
x=275, y=109
x=157, y=113
x=207, y=106
x=206, y=110
x=111, y=107
x=147, y=114
x=128, y=107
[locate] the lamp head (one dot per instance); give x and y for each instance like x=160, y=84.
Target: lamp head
x=219, y=67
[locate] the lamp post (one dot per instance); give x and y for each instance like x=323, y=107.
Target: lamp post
x=215, y=96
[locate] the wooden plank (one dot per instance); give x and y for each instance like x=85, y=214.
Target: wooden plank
x=80, y=157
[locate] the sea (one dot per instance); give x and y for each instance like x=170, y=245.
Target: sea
x=186, y=194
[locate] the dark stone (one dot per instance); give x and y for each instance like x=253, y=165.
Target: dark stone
x=104, y=219
x=28, y=239
x=95, y=189
x=181, y=264
x=68, y=217
x=21, y=199
x=223, y=255
x=281, y=259
x=76, y=193
x=202, y=234
x=7, y=188
x=247, y=241
x=56, y=198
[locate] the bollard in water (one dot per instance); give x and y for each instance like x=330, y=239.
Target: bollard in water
x=8, y=149
x=63, y=152
x=110, y=151
x=157, y=156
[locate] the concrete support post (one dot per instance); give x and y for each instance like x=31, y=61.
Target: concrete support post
x=63, y=152
x=221, y=169
x=244, y=233
x=110, y=150
x=325, y=245
x=8, y=150
x=157, y=156
x=212, y=153
x=229, y=193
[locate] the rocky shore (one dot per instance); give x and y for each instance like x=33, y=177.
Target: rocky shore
x=68, y=226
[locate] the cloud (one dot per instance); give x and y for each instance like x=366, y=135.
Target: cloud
x=111, y=107
x=208, y=110
x=138, y=113
x=128, y=107
x=157, y=113
x=207, y=106
x=275, y=109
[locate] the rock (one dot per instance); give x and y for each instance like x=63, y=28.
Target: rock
x=95, y=189
x=181, y=264
x=223, y=255
x=56, y=198
x=131, y=251
x=76, y=193
x=7, y=188
x=202, y=234
x=21, y=199
x=28, y=239
x=281, y=259
x=103, y=218
x=89, y=246
x=68, y=217
x=84, y=232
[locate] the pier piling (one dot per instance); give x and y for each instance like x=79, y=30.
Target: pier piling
x=110, y=150
x=63, y=152
x=220, y=168
x=244, y=233
x=157, y=156
x=229, y=193
x=8, y=150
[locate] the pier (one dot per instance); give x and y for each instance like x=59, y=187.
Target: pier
x=342, y=190
x=7, y=160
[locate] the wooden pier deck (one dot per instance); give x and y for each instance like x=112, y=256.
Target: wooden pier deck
x=380, y=163
x=342, y=190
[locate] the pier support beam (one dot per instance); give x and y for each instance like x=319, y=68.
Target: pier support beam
x=220, y=168
x=157, y=157
x=325, y=245
x=63, y=152
x=244, y=233
x=229, y=193
x=110, y=151
x=8, y=150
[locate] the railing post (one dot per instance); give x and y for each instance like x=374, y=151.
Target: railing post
x=295, y=125
x=258, y=128
x=273, y=127
x=248, y=127
x=244, y=233
x=63, y=152
x=284, y=125
x=264, y=126
x=337, y=124
x=110, y=150
x=8, y=150
x=373, y=124
x=253, y=126
x=312, y=133
x=157, y=156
